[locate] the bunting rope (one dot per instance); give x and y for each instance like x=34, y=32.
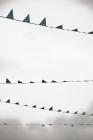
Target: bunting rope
x=43, y=23
x=44, y=125
x=46, y=82
x=51, y=109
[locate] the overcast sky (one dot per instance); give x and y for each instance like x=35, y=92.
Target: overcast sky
x=29, y=52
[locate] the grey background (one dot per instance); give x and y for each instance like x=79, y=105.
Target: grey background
x=29, y=52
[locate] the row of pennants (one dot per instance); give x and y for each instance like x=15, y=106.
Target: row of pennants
x=46, y=82
x=45, y=125
x=44, y=108
x=42, y=23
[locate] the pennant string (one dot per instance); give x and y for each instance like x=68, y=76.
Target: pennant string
x=45, y=125
x=43, y=23
x=46, y=82
x=51, y=109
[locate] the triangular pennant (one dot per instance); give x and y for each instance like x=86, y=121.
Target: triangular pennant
x=43, y=22
x=43, y=81
x=27, y=19
x=43, y=125
x=90, y=32
x=25, y=105
x=17, y=103
x=42, y=107
x=59, y=110
x=60, y=27
x=84, y=113
x=10, y=15
x=72, y=125
x=8, y=101
x=32, y=82
x=67, y=112
x=34, y=106
x=75, y=112
x=65, y=124
x=51, y=108
x=64, y=81
x=75, y=30
x=53, y=81
x=20, y=82
x=50, y=124
x=4, y=123
x=7, y=81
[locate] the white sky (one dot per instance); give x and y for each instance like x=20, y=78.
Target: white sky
x=29, y=52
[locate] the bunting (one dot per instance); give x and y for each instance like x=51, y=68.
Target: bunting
x=43, y=23
x=46, y=82
x=51, y=109
x=48, y=124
